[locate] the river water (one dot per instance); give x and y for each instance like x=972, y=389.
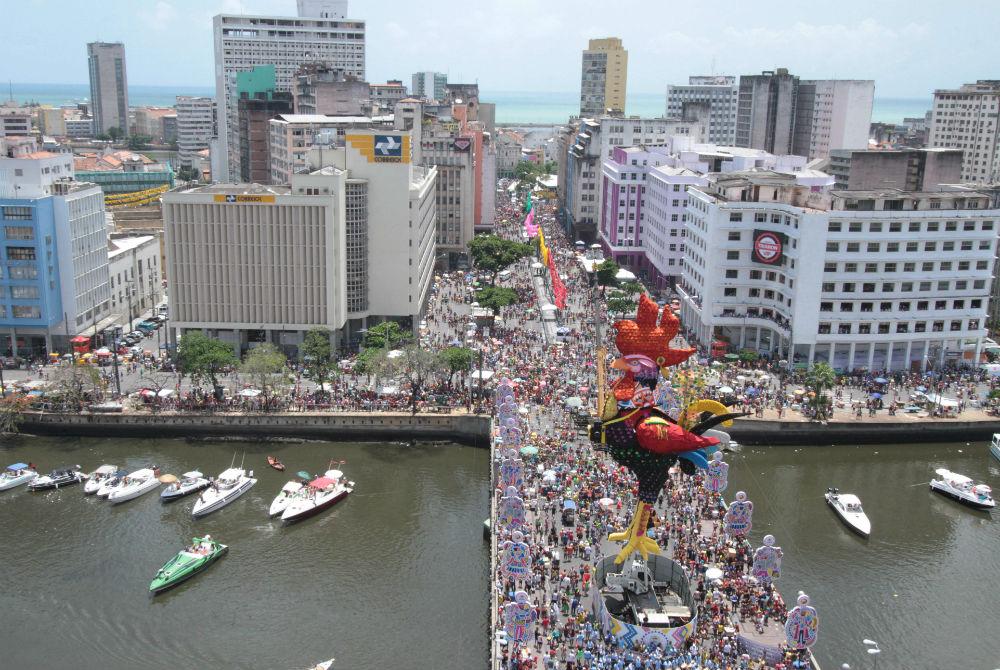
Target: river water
x=924, y=586
x=395, y=576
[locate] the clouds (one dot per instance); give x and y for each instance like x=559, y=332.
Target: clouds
x=159, y=16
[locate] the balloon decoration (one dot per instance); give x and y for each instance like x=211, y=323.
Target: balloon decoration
x=802, y=625
x=767, y=561
x=717, y=475
x=739, y=516
x=515, y=557
x=635, y=432
x=530, y=229
x=519, y=618
x=510, y=512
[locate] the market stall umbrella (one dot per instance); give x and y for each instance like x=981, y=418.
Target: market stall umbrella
x=726, y=389
x=250, y=393
x=881, y=380
x=574, y=402
x=732, y=357
x=605, y=502
x=716, y=364
x=529, y=450
x=876, y=396
x=712, y=574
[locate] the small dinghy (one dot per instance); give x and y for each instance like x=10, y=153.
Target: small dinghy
x=275, y=463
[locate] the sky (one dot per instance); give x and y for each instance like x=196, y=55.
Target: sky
x=909, y=47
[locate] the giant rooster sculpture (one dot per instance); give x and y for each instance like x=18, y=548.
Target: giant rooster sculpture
x=637, y=434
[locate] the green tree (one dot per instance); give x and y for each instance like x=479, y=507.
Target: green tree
x=607, y=273
x=317, y=356
x=188, y=174
x=458, y=360
x=369, y=361
x=115, y=133
x=262, y=364
x=524, y=172
x=494, y=254
x=204, y=358
x=496, y=298
x=417, y=366
x=12, y=408
x=621, y=303
x=820, y=378
x=632, y=288
x=136, y=142
x=385, y=335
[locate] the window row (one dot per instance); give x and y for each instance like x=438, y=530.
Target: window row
x=904, y=306
x=901, y=327
x=926, y=266
x=911, y=226
x=894, y=247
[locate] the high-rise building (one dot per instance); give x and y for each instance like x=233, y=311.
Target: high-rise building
x=15, y=121
x=781, y=114
x=334, y=251
x=108, y=86
x=966, y=118
x=429, y=85
x=292, y=136
x=259, y=102
x=196, y=127
x=604, y=76
x=55, y=256
x=720, y=92
x=242, y=42
x=876, y=280
x=385, y=96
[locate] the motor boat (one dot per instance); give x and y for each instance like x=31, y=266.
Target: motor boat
x=319, y=494
x=848, y=508
x=995, y=446
x=134, y=485
x=227, y=487
x=58, y=478
x=288, y=493
x=190, y=482
x=187, y=563
x=111, y=483
x=16, y=474
x=963, y=489
x=98, y=477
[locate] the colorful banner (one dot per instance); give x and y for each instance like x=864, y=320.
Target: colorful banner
x=739, y=516
x=767, y=561
x=515, y=557
x=530, y=229
x=543, y=249
x=717, y=474
x=519, y=618
x=802, y=625
x=558, y=288
x=527, y=204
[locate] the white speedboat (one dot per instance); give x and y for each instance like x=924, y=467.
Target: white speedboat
x=963, y=489
x=98, y=477
x=321, y=493
x=227, y=487
x=848, y=508
x=285, y=497
x=16, y=474
x=995, y=446
x=134, y=485
x=190, y=482
x=111, y=483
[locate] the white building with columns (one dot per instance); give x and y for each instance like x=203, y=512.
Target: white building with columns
x=883, y=280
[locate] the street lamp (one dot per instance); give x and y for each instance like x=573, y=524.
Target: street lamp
x=873, y=650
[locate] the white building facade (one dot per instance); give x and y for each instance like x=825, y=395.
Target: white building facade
x=967, y=118
x=196, y=127
x=134, y=277
x=337, y=254
x=886, y=280
x=242, y=42
x=721, y=92
x=835, y=114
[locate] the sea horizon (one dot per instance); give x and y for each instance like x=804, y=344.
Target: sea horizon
x=512, y=107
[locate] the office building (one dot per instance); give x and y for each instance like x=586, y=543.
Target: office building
x=135, y=277
x=780, y=114
x=243, y=42
x=338, y=254
x=153, y=123
x=259, y=102
x=291, y=136
x=604, y=77
x=720, y=92
x=508, y=147
x=196, y=127
x=429, y=85
x=79, y=126
x=51, y=121
x=15, y=121
x=319, y=89
x=966, y=118
x=905, y=169
x=54, y=260
x=876, y=280
x=108, y=86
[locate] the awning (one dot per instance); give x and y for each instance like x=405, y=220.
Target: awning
x=321, y=482
x=569, y=504
x=17, y=466
x=250, y=393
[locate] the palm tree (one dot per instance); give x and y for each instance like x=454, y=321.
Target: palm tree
x=821, y=377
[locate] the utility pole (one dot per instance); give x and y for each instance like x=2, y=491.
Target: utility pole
x=118, y=379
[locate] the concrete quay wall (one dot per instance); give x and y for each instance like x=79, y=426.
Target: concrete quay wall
x=765, y=433
x=470, y=429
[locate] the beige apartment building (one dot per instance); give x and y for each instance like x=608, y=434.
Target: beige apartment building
x=604, y=76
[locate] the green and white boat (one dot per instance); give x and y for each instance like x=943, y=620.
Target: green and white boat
x=187, y=563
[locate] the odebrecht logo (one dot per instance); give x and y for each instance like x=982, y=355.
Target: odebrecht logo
x=767, y=247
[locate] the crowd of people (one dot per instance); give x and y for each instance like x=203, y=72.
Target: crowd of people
x=565, y=544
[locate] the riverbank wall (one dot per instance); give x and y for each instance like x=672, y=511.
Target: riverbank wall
x=767, y=433
x=469, y=429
